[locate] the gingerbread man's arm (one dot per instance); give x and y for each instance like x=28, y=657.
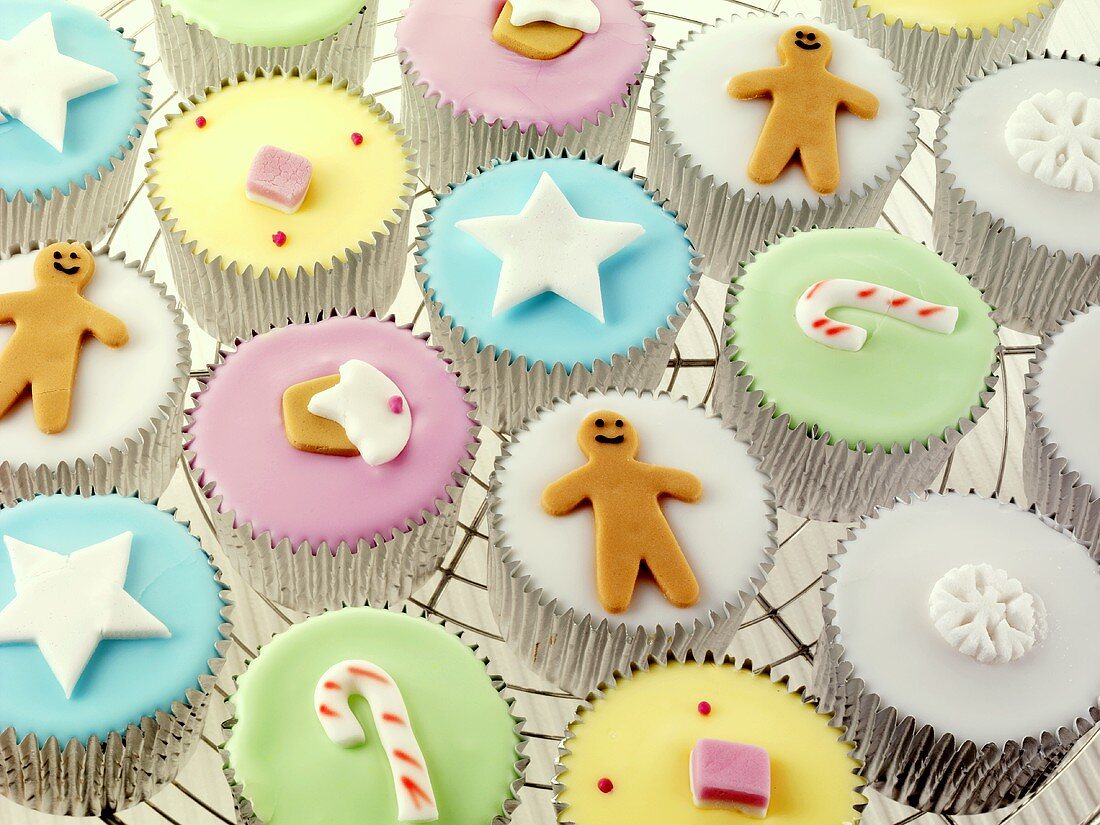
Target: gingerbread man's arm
x=750, y=85
x=679, y=484
x=566, y=494
x=10, y=305
x=856, y=100
x=106, y=327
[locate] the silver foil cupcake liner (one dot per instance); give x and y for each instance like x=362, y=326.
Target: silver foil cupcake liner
x=195, y=59
x=574, y=650
x=450, y=146
x=87, y=778
x=934, y=65
x=1030, y=287
x=229, y=300
x=608, y=685
x=509, y=388
x=376, y=570
x=246, y=814
x=817, y=479
x=727, y=226
x=142, y=463
x=906, y=759
x=84, y=209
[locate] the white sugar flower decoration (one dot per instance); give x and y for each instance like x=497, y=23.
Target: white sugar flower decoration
x=986, y=614
x=1055, y=136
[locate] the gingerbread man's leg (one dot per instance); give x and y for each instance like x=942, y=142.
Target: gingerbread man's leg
x=52, y=393
x=671, y=571
x=821, y=162
x=773, y=151
x=13, y=382
x=617, y=566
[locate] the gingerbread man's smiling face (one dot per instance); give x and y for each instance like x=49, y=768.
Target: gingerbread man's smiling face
x=805, y=46
x=64, y=263
x=606, y=436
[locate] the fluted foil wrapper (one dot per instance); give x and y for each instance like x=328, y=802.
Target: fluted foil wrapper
x=810, y=476
x=376, y=570
x=1031, y=287
x=91, y=777
x=246, y=814
x=142, y=463
x=726, y=227
x=450, y=146
x=934, y=65
x=576, y=651
x=606, y=687
x=906, y=759
x=83, y=210
x=230, y=300
x=196, y=59
x=510, y=388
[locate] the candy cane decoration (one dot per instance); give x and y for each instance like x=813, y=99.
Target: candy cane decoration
x=811, y=309
x=411, y=783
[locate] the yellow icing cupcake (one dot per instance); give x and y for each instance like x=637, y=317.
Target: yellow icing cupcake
x=945, y=15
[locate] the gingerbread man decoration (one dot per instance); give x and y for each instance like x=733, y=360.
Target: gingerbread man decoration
x=631, y=528
x=51, y=322
x=805, y=98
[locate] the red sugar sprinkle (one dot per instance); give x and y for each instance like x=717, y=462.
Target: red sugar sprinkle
x=605, y=785
x=200, y=121
x=279, y=238
x=356, y=138
x=397, y=404
x=704, y=708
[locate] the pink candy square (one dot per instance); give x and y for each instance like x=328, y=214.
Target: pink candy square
x=278, y=179
x=731, y=775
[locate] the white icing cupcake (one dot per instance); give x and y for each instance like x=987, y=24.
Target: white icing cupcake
x=565, y=587
x=1018, y=188
x=960, y=649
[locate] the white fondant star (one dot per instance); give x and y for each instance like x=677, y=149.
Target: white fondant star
x=67, y=604
x=370, y=407
x=548, y=247
x=573, y=14
x=37, y=81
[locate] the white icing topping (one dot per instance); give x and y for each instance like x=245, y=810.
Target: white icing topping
x=1056, y=137
x=371, y=408
x=574, y=14
x=811, y=311
x=68, y=604
x=548, y=247
x=986, y=614
x=37, y=81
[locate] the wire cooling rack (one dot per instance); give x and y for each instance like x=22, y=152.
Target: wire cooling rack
x=779, y=628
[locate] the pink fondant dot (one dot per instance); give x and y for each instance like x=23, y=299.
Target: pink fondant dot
x=279, y=238
x=200, y=121
x=605, y=785
x=356, y=138
x=704, y=708
x=397, y=404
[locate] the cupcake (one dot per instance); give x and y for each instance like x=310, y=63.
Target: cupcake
x=603, y=555
x=281, y=197
x=481, y=81
x=444, y=745
x=553, y=275
x=937, y=44
x=960, y=651
x=203, y=42
x=94, y=362
x=74, y=102
x=743, y=161
x=112, y=632
x=847, y=407
x=672, y=742
x=332, y=456
x=1018, y=188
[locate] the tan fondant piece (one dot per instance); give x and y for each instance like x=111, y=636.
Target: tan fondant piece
x=312, y=433
x=805, y=98
x=631, y=528
x=51, y=322
x=538, y=41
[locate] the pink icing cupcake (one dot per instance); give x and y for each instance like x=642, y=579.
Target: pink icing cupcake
x=483, y=79
x=332, y=456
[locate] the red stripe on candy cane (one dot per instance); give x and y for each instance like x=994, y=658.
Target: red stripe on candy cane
x=404, y=757
x=367, y=674
x=393, y=719
x=330, y=685
x=867, y=293
x=415, y=791
x=812, y=290
x=325, y=710
x=820, y=322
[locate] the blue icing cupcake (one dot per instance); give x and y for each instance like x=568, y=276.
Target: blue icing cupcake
x=74, y=103
x=548, y=275
x=110, y=616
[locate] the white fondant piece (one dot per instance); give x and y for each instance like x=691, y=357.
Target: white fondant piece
x=360, y=403
x=986, y=614
x=811, y=311
x=37, y=81
x=68, y=604
x=408, y=767
x=881, y=601
x=723, y=535
x=117, y=391
x=574, y=14
x=1055, y=137
x=720, y=133
x=548, y=247
x=985, y=168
